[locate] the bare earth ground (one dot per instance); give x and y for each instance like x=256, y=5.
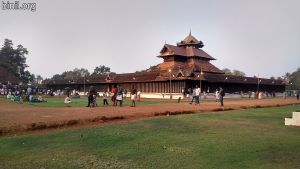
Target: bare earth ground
x=20, y=118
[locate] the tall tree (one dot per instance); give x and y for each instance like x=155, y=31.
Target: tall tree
x=75, y=74
x=72, y=74
x=146, y=70
x=101, y=70
x=227, y=71
x=295, y=78
x=57, y=77
x=238, y=73
x=14, y=60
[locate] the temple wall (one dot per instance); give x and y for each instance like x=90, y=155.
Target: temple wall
x=177, y=86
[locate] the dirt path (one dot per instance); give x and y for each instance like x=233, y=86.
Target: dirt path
x=16, y=118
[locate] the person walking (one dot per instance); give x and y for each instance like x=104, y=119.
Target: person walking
x=133, y=93
x=114, y=94
x=139, y=96
x=222, y=94
x=119, y=98
x=90, y=98
x=298, y=94
x=198, y=95
x=217, y=95
x=105, y=95
x=193, y=95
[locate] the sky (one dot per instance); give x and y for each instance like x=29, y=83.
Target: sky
x=258, y=37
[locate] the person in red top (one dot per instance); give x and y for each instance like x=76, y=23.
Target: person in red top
x=114, y=92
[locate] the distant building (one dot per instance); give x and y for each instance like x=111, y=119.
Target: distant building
x=184, y=66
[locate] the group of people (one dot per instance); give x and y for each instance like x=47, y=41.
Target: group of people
x=195, y=94
x=219, y=94
x=117, y=94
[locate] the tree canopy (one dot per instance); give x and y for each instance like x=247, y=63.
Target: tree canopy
x=72, y=74
x=14, y=60
x=293, y=79
x=101, y=70
x=146, y=70
x=233, y=72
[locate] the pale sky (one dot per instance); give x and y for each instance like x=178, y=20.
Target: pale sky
x=254, y=36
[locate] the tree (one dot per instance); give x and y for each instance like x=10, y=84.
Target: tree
x=295, y=78
x=146, y=70
x=227, y=71
x=72, y=74
x=75, y=74
x=238, y=73
x=37, y=79
x=101, y=70
x=272, y=78
x=287, y=76
x=57, y=77
x=14, y=60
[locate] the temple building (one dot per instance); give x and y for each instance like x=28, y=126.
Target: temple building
x=184, y=66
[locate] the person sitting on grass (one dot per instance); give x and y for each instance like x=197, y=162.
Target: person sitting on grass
x=8, y=96
x=32, y=99
x=41, y=99
x=133, y=96
x=67, y=100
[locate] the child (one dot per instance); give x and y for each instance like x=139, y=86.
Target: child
x=67, y=100
x=105, y=95
x=133, y=96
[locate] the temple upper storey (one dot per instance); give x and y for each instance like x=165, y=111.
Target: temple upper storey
x=190, y=41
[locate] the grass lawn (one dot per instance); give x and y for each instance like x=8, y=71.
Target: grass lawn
x=242, y=139
x=81, y=102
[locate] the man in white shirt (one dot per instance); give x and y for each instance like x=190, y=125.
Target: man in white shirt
x=198, y=93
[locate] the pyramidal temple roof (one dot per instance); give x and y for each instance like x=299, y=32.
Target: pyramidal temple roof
x=190, y=41
x=185, y=52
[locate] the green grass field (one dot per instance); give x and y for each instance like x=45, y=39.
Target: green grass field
x=243, y=139
x=81, y=102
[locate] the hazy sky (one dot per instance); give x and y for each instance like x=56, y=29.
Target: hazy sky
x=254, y=36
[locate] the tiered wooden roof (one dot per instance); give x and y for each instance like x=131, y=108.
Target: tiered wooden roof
x=170, y=50
x=186, y=57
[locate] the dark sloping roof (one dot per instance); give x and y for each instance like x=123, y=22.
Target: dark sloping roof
x=165, y=76
x=222, y=78
x=185, y=52
x=117, y=78
x=6, y=76
x=192, y=65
